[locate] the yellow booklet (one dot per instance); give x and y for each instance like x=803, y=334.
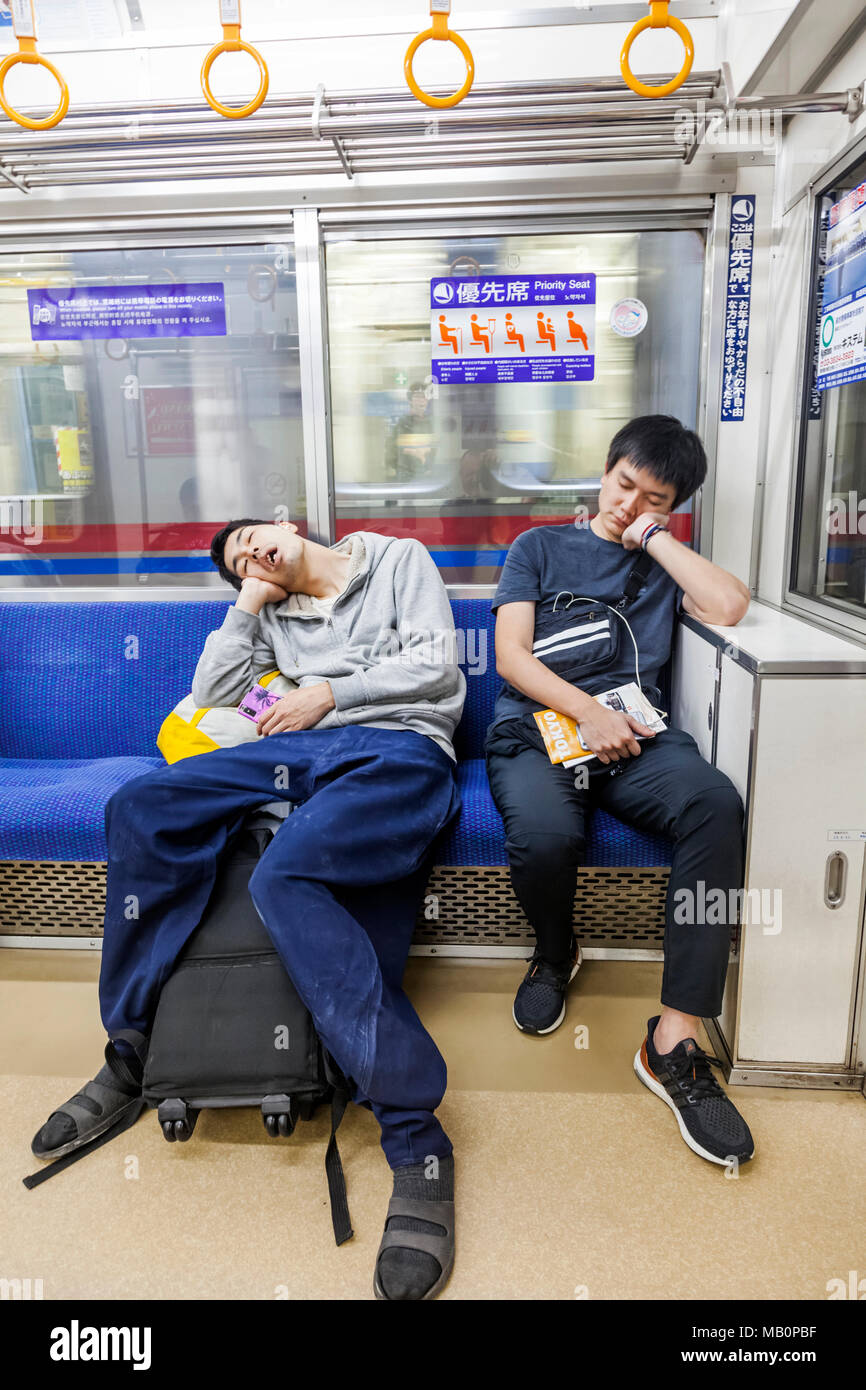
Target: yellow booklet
x=562, y=736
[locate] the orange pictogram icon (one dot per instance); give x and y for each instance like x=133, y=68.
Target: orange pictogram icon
x=449, y=335
x=576, y=332
x=511, y=333
x=482, y=335
x=546, y=331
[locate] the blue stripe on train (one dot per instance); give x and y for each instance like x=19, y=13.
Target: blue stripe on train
x=194, y=564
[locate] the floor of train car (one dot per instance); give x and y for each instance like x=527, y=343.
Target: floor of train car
x=571, y=1176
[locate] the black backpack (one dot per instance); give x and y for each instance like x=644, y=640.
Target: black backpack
x=230, y=1029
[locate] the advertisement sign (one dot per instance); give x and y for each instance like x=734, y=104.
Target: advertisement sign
x=842, y=335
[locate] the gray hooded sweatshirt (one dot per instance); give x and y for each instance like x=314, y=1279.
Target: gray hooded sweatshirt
x=387, y=647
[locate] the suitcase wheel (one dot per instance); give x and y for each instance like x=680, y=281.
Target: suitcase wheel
x=279, y=1114
x=176, y=1120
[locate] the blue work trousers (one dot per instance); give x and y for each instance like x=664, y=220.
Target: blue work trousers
x=338, y=890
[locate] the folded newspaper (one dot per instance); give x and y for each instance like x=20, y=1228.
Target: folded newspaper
x=562, y=736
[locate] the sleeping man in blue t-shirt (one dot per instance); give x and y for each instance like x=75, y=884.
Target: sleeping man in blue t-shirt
x=660, y=784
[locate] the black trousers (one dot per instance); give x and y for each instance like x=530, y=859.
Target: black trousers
x=668, y=788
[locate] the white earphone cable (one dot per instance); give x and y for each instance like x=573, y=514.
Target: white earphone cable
x=584, y=598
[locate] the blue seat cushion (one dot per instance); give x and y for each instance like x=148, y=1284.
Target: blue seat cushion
x=56, y=809
x=478, y=836
x=108, y=673
x=95, y=680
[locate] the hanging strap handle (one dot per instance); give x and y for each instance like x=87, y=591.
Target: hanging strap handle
x=24, y=29
x=439, y=12
x=658, y=18
x=230, y=18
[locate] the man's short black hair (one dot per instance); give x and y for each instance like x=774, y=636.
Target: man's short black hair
x=665, y=448
x=218, y=548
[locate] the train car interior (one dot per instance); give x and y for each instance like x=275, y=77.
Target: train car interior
x=430, y=303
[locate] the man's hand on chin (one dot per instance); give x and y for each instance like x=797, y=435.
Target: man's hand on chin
x=255, y=593
x=632, y=534
x=300, y=709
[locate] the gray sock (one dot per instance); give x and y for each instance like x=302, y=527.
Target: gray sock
x=405, y=1273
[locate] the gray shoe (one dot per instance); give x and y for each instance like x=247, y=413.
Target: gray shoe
x=110, y=1097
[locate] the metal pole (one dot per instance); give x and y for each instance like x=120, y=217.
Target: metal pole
x=315, y=403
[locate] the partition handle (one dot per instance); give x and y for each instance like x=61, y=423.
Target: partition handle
x=835, y=879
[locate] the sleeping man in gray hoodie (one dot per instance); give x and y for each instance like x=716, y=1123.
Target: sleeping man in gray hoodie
x=362, y=748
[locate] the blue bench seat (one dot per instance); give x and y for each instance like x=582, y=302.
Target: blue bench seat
x=84, y=688
x=55, y=808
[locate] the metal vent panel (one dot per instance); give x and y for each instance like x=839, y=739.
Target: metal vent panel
x=463, y=906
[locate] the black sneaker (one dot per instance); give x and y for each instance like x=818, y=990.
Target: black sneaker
x=708, y=1121
x=539, y=1006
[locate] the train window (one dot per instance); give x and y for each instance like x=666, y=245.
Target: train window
x=829, y=529
x=467, y=467
x=120, y=456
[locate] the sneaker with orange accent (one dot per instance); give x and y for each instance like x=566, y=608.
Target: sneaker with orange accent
x=709, y=1123
x=539, y=1005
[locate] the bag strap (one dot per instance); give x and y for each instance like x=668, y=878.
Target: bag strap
x=340, y=1097
x=637, y=578
x=340, y=1218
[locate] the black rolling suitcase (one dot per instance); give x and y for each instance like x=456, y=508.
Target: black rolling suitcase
x=230, y=1028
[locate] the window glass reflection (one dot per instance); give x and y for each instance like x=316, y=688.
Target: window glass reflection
x=125, y=454
x=466, y=467
x=829, y=554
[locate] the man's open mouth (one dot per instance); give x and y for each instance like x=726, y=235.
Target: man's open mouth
x=271, y=556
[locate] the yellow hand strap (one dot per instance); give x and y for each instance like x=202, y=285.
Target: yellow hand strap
x=24, y=29
x=230, y=18
x=658, y=18
x=439, y=12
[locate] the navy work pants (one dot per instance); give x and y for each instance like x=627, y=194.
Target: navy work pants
x=338, y=889
x=667, y=788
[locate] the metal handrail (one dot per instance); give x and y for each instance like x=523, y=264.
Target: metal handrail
x=348, y=128
x=531, y=124
x=365, y=149
x=171, y=116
